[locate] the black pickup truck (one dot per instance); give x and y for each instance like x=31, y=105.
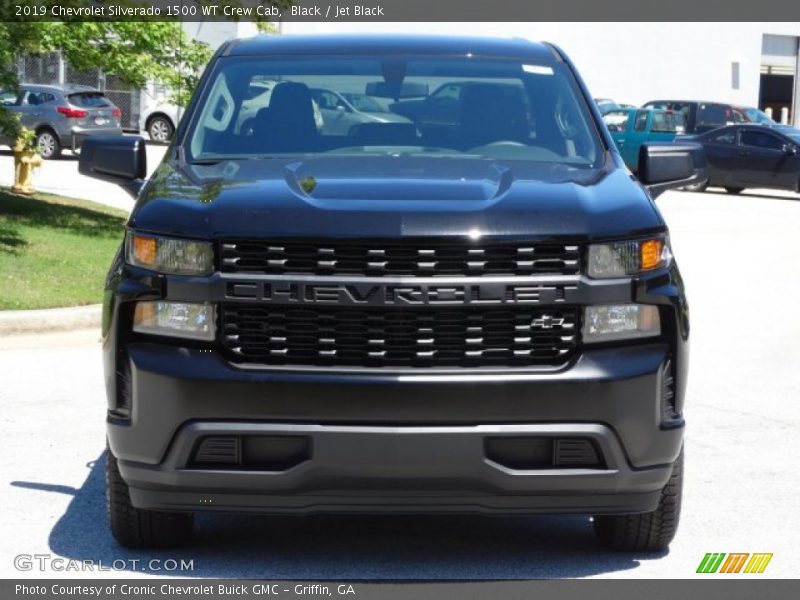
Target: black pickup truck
x=476, y=311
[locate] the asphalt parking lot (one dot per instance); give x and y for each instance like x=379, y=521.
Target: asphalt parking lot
x=739, y=256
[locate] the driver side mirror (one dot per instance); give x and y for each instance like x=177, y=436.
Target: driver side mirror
x=115, y=159
x=664, y=166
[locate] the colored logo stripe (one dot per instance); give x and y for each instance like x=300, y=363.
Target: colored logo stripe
x=734, y=562
x=711, y=562
x=758, y=563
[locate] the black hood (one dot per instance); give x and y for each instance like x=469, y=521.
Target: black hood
x=393, y=197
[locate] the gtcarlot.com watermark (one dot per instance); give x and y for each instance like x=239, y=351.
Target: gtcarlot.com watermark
x=48, y=562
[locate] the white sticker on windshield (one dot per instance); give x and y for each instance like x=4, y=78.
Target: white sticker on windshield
x=537, y=69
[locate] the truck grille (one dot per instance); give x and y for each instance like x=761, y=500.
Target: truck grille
x=381, y=337
x=423, y=258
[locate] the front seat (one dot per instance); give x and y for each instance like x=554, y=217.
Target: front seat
x=287, y=124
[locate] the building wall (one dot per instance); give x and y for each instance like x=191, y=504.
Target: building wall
x=629, y=62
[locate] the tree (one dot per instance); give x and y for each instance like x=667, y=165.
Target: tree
x=134, y=51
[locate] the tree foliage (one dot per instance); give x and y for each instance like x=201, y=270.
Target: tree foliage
x=134, y=51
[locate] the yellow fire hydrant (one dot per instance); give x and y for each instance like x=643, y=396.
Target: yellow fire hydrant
x=25, y=161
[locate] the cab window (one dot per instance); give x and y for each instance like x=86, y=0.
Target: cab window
x=761, y=139
x=641, y=121
x=37, y=98
x=724, y=137
x=714, y=114
x=617, y=121
x=668, y=122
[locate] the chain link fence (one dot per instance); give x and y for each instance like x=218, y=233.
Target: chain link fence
x=52, y=69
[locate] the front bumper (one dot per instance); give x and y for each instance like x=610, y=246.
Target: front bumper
x=396, y=443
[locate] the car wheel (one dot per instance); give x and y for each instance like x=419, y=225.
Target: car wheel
x=160, y=129
x=136, y=528
x=48, y=144
x=650, y=531
x=734, y=190
x=697, y=187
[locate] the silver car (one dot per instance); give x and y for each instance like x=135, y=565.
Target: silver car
x=62, y=116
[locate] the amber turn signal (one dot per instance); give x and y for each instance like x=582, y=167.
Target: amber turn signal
x=144, y=250
x=650, y=252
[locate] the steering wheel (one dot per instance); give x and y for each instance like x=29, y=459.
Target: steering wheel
x=502, y=144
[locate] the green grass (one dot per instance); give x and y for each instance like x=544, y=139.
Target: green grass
x=55, y=251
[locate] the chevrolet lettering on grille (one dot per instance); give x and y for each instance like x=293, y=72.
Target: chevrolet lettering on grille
x=398, y=295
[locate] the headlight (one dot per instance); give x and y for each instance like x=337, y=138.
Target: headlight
x=168, y=255
x=610, y=322
x=175, y=319
x=622, y=259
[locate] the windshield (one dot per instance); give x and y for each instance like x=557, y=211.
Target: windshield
x=758, y=116
x=466, y=107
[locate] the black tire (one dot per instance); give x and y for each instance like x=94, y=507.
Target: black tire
x=136, y=528
x=48, y=143
x=160, y=129
x=646, y=532
x=734, y=190
x=697, y=187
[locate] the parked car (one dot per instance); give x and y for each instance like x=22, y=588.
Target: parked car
x=606, y=105
x=751, y=156
x=299, y=323
x=62, y=116
x=159, y=121
x=701, y=116
x=339, y=115
x=631, y=128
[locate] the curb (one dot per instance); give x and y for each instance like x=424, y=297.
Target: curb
x=46, y=320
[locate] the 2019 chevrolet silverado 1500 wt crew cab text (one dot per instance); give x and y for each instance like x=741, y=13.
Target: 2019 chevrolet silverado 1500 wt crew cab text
x=471, y=309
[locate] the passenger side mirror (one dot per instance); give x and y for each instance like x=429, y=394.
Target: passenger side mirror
x=116, y=159
x=664, y=166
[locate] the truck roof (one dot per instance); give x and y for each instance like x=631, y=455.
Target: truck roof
x=392, y=44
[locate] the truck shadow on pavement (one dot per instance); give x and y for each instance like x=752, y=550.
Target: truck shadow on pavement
x=344, y=547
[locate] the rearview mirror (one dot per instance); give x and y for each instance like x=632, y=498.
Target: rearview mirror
x=390, y=89
x=115, y=158
x=664, y=166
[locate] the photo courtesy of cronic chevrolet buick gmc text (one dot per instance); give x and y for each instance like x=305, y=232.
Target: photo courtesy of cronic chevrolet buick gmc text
x=474, y=309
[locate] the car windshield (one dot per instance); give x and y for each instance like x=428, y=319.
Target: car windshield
x=758, y=116
x=467, y=107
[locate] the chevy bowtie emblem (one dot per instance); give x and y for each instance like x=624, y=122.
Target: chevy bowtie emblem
x=546, y=322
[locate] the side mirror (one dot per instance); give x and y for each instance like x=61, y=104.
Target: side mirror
x=664, y=166
x=790, y=149
x=116, y=159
